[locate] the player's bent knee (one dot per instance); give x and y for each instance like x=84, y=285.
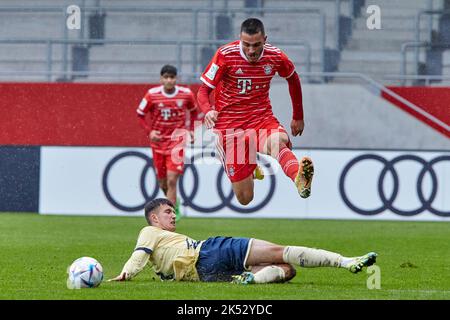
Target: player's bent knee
x=289, y=272
x=244, y=198
x=284, y=139
x=276, y=142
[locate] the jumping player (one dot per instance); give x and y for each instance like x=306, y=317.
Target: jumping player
x=168, y=106
x=242, y=117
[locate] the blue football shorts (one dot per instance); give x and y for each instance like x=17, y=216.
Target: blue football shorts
x=222, y=257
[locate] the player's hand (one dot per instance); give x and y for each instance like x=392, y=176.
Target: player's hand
x=297, y=127
x=120, y=277
x=211, y=118
x=155, y=135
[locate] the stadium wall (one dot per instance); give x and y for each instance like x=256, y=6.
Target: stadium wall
x=336, y=116
x=71, y=114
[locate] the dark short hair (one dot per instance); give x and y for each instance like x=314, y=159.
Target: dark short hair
x=252, y=26
x=152, y=205
x=169, y=69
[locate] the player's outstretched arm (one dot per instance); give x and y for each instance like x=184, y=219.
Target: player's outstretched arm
x=295, y=91
x=134, y=265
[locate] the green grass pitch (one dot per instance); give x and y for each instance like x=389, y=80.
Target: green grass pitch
x=414, y=258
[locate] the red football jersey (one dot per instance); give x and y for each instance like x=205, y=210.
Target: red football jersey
x=241, y=87
x=167, y=113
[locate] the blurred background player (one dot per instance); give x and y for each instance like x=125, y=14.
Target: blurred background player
x=240, y=260
x=241, y=72
x=172, y=109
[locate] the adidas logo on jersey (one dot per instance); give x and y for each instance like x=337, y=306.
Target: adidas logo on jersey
x=239, y=71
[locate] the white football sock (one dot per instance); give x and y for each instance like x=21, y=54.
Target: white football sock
x=270, y=274
x=345, y=262
x=309, y=257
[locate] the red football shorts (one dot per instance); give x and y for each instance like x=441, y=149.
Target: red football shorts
x=237, y=148
x=164, y=162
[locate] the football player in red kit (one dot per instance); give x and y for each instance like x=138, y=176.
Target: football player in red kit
x=169, y=106
x=240, y=73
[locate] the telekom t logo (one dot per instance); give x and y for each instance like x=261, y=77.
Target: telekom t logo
x=244, y=85
x=165, y=113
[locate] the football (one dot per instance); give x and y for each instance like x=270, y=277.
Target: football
x=85, y=272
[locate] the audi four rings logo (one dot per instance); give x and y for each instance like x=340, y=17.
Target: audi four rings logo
x=387, y=201
x=189, y=198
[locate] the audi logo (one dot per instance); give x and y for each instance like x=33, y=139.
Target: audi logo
x=188, y=197
x=387, y=200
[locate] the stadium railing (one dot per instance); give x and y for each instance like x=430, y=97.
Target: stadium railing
x=49, y=73
x=265, y=10
x=195, y=19
x=404, y=50
x=419, y=15
x=417, y=76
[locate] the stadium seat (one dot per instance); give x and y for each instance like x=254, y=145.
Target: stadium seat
x=97, y=25
x=224, y=27
x=345, y=30
x=206, y=54
x=80, y=60
x=444, y=30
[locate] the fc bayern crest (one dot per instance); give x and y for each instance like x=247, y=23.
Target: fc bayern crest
x=267, y=69
x=179, y=103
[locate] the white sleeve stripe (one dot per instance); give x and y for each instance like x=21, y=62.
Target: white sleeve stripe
x=140, y=112
x=290, y=74
x=154, y=90
x=143, y=104
x=185, y=90
x=207, y=83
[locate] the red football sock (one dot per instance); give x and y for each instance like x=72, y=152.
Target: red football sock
x=288, y=162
